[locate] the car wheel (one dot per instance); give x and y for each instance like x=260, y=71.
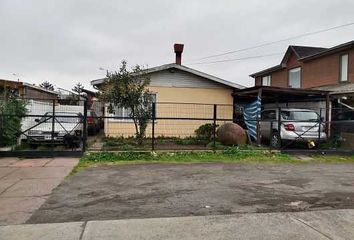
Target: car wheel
x=275, y=140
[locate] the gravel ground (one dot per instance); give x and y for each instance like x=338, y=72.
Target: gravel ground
x=166, y=190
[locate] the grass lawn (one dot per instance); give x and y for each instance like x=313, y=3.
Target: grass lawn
x=230, y=155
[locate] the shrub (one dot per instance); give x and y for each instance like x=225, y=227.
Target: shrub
x=186, y=141
x=117, y=141
x=206, y=132
x=12, y=110
x=218, y=145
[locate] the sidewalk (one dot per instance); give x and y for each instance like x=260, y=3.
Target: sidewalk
x=26, y=184
x=330, y=224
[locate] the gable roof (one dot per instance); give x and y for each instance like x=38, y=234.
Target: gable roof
x=29, y=85
x=301, y=52
x=328, y=51
x=305, y=53
x=39, y=88
x=186, y=69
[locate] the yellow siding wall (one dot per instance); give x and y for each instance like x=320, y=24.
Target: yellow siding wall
x=174, y=102
x=193, y=95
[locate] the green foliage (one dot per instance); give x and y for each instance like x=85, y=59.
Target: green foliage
x=206, y=131
x=232, y=155
x=114, y=141
x=218, y=145
x=236, y=151
x=124, y=144
x=186, y=141
x=47, y=85
x=334, y=143
x=12, y=110
x=128, y=89
x=78, y=88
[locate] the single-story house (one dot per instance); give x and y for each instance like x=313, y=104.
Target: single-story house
x=27, y=90
x=180, y=92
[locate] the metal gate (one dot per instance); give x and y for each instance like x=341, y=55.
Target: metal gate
x=42, y=127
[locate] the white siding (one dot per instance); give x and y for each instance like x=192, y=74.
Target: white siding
x=178, y=78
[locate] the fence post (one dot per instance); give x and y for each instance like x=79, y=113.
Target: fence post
x=84, y=133
x=279, y=126
x=153, y=116
x=319, y=129
x=53, y=122
x=214, y=127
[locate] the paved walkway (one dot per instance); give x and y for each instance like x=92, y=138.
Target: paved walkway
x=26, y=184
x=330, y=224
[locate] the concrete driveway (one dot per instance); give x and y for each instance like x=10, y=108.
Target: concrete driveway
x=26, y=184
x=172, y=190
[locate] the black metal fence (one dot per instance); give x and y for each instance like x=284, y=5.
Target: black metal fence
x=171, y=126
x=52, y=127
x=41, y=127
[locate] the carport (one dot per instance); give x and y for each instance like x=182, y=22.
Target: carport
x=282, y=97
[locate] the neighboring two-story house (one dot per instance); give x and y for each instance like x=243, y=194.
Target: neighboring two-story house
x=307, y=69
x=312, y=67
x=315, y=68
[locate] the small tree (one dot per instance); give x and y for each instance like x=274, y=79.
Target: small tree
x=47, y=85
x=78, y=88
x=128, y=89
x=12, y=110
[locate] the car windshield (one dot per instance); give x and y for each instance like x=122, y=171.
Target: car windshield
x=61, y=117
x=299, y=115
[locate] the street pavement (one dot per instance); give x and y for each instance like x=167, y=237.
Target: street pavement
x=26, y=184
x=329, y=224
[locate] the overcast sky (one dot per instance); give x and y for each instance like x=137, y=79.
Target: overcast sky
x=67, y=41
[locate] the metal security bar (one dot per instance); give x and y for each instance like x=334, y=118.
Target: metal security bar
x=51, y=127
x=41, y=127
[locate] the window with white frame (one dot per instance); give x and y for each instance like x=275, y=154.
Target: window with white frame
x=266, y=81
x=343, y=68
x=125, y=113
x=295, y=78
x=122, y=112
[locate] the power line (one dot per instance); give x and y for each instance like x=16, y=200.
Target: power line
x=237, y=59
x=278, y=41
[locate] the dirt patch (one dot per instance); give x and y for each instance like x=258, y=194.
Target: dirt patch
x=165, y=190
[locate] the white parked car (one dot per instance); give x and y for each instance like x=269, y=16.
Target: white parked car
x=301, y=125
x=68, y=129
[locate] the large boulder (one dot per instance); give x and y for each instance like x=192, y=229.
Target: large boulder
x=231, y=134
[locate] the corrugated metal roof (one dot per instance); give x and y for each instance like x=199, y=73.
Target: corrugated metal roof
x=339, y=88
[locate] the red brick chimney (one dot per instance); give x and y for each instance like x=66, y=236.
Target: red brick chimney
x=178, y=50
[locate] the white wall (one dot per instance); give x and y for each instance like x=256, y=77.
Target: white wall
x=40, y=108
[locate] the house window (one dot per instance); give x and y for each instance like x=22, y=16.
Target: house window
x=121, y=113
x=343, y=68
x=124, y=113
x=295, y=78
x=266, y=81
